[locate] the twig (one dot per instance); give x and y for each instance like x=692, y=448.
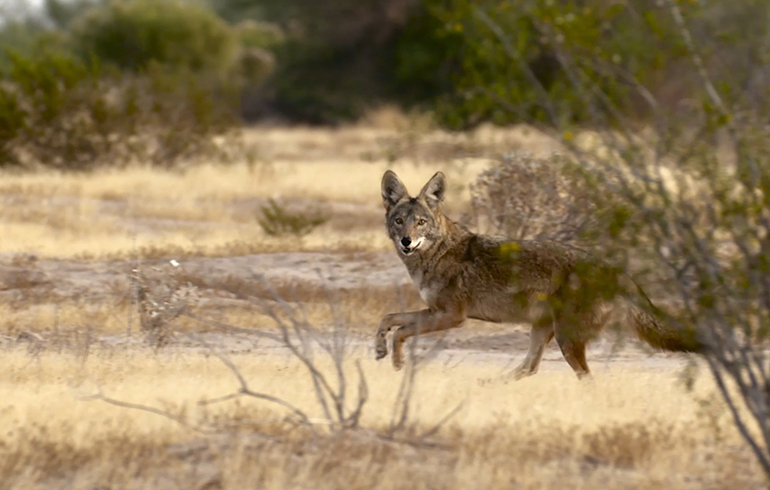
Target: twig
x=245, y=390
x=446, y=418
x=146, y=408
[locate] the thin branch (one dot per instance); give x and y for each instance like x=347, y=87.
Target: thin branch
x=758, y=452
x=231, y=328
x=700, y=67
x=146, y=408
x=446, y=418
x=246, y=391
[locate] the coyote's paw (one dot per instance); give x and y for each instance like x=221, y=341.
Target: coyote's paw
x=380, y=347
x=380, y=352
x=398, y=360
x=521, y=373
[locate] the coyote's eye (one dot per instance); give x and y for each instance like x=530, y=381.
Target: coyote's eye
x=399, y=221
x=421, y=222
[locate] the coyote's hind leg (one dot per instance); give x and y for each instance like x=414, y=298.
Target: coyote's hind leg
x=575, y=355
x=539, y=337
x=572, y=342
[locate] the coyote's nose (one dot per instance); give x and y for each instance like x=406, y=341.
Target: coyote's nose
x=406, y=241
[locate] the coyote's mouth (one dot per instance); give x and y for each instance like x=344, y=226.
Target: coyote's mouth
x=411, y=248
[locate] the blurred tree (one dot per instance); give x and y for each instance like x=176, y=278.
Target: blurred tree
x=338, y=57
x=235, y=11
x=14, y=10
x=469, y=73
x=62, y=12
x=133, y=34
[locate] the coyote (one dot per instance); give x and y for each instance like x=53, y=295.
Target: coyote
x=559, y=289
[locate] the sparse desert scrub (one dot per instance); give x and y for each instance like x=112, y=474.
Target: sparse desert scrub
x=71, y=327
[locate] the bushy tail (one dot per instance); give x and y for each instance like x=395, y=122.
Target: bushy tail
x=648, y=321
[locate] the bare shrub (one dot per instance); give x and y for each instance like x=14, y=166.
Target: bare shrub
x=278, y=220
x=160, y=299
x=340, y=387
x=529, y=197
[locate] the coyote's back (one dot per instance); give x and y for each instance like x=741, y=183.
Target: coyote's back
x=560, y=290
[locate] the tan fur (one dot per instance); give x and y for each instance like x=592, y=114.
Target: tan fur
x=560, y=290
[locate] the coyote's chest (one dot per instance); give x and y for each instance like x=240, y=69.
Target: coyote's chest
x=428, y=289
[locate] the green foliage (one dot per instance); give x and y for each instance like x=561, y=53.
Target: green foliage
x=19, y=36
x=60, y=112
x=496, y=60
x=48, y=109
x=133, y=34
x=316, y=84
x=689, y=208
x=253, y=34
x=277, y=220
x=533, y=60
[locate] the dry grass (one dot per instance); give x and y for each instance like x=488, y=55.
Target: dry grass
x=206, y=210
x=211, y=209
x=630, y=429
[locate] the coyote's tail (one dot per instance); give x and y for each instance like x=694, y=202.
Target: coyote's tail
x=647, y=320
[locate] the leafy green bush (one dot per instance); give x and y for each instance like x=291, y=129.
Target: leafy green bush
x=60, y=112
x=26, y=36
x=133, y=34
x=471, y=73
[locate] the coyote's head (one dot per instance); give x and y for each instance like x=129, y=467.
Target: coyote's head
x=414, y=223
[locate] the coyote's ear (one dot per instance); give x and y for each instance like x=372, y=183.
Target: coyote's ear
x=434, y=191
x=393, y=190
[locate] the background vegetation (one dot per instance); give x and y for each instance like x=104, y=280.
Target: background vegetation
x=329, y=61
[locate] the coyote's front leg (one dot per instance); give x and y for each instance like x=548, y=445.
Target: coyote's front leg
x=387, y=323
x=413, y=323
